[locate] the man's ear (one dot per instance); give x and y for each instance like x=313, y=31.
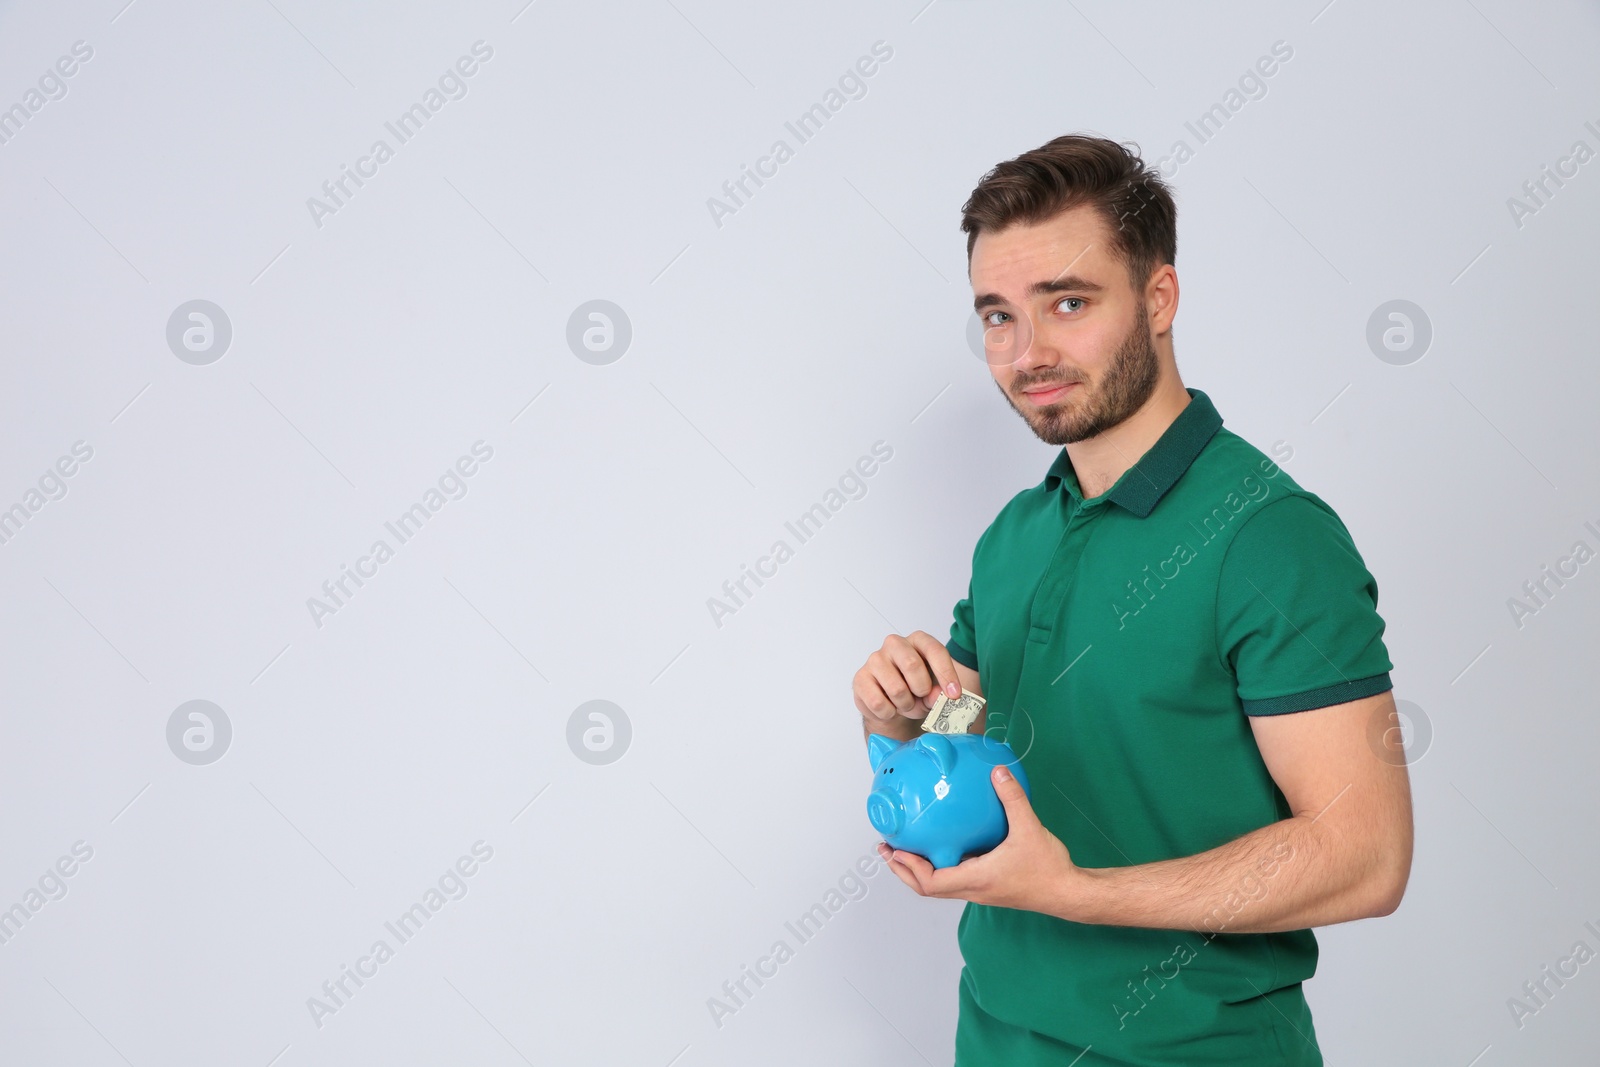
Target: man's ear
x=1161, y=298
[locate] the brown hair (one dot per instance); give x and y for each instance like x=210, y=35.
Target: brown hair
x=1075, y=169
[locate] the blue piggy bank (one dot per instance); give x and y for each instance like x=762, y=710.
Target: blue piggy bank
x=933, y=795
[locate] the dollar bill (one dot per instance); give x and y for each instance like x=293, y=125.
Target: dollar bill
x=953, y=716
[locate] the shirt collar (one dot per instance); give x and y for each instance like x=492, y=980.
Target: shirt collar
x=1143, y=485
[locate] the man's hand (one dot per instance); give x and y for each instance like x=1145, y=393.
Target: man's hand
x=1030, y=870
x=900, y=682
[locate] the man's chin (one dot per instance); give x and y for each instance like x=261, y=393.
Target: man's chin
x=1053, y=429
x=1041, y=415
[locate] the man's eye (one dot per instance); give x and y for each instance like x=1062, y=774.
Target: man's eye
x=988, y=318
x=1071, y=300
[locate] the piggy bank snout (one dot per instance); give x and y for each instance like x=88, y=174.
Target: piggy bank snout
x=886, y=811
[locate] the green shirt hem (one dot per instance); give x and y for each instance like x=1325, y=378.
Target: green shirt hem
x=1328, y=695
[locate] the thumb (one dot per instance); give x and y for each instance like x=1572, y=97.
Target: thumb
x=1012, y=798
x=950, y=688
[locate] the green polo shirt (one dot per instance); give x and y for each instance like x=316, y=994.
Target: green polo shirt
x=1122, y=643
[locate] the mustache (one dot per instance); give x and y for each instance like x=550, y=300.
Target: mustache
x=1018, y=384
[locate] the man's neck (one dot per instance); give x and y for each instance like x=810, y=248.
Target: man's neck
x=1100, y=460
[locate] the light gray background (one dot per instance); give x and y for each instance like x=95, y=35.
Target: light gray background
x=768, y=354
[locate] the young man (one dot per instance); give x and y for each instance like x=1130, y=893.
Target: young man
x=1184, y=647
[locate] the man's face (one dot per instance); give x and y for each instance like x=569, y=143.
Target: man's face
x=1065, y=335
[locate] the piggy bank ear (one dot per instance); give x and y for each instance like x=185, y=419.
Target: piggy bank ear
x=940, y=748
x=879, y=747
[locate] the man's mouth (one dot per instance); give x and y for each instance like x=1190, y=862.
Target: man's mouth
x=1049, y=394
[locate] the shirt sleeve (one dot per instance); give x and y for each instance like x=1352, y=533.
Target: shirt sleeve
x=1297, y=612
x=963, y=643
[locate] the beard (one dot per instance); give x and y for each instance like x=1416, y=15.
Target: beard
x=1096, y=407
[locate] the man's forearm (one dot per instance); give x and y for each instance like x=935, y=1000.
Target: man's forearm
x=1288, y=875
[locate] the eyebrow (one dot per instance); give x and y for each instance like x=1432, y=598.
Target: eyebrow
x=1068, y=283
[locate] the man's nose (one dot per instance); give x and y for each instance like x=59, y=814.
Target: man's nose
x=1033, y=347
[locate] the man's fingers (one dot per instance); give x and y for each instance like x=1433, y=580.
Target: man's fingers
x=871, y=701
x=938, y=658
x=905, y=677
x=908, y=660
x=890, y=676
x=921, y=869
x=902, y=873
x=1019, y=810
